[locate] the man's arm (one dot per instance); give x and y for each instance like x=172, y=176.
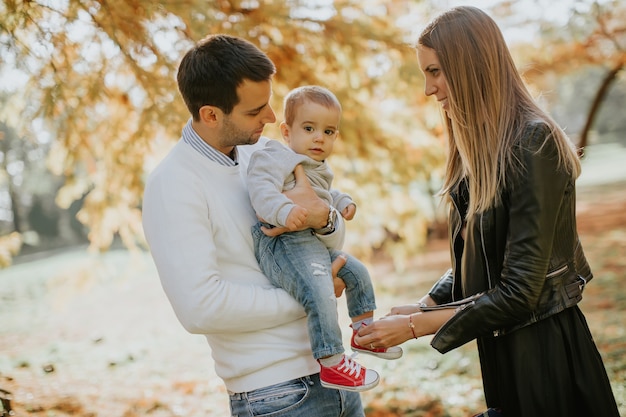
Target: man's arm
x=317, y=218
x=183, y=246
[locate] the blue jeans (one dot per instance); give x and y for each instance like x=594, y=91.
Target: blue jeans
x=299, y=397
x=300, y=263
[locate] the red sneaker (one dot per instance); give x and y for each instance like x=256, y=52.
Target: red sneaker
x=348, y=375
x=393, y=352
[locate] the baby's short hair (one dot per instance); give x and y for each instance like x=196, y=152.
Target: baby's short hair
x=314, y=93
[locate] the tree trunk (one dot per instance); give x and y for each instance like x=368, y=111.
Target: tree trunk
x=17, y=220
x=595, y=106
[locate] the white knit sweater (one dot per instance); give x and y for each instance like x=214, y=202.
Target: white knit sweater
x=197, y=218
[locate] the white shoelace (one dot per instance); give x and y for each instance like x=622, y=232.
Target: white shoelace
x=349, y=366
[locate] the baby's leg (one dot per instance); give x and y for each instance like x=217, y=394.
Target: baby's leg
x=359, y=289
x=300, y=264
x=361, y=304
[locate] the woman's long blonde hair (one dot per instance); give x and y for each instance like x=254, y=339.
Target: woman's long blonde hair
x=489, y=105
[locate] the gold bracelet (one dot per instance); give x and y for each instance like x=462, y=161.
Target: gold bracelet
x=412, y=326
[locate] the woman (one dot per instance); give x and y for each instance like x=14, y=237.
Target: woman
x=518, y=270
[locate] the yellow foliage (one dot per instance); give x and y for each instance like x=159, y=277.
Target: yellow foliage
x=10, y=246
x=108, y=91
x=103, y=78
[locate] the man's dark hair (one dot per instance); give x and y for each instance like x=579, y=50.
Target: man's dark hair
x=210, y=73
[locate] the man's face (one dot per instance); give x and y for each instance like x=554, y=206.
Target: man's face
x=244, y=125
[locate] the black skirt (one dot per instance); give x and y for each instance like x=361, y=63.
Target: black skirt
x=550, y=368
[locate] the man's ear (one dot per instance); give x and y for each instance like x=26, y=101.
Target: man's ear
x=284, y=130
x=209, y=115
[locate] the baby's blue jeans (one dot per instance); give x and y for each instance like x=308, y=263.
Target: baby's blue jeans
x=300, y=263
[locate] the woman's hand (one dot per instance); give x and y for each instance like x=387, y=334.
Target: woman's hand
x=395, y=329
x=387, y=332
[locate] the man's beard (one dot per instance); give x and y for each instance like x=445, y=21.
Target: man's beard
x=233, y=136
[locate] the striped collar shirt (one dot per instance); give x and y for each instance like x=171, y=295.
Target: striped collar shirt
x=191, y=138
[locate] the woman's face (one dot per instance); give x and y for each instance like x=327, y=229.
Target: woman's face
x=435, y=81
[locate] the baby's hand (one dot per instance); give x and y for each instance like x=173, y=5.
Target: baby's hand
x=296, y=219
x=349, y=212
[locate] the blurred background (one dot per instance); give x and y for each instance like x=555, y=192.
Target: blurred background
x=89, y=105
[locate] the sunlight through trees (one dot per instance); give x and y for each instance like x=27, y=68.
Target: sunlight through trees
x=98, y=78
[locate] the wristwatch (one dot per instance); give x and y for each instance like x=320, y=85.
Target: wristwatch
x=330, y=226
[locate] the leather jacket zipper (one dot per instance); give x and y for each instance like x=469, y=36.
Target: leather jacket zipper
x=482, y=246
x=557, y=271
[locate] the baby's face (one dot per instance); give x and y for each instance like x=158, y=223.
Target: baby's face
x=314, y=130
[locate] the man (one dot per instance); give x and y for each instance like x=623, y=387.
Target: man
x=197, y=219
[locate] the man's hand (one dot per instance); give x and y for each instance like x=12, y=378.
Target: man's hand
x=303, y=195
x=339, y=284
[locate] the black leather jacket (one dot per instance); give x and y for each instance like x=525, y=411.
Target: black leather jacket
x=520, y=261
